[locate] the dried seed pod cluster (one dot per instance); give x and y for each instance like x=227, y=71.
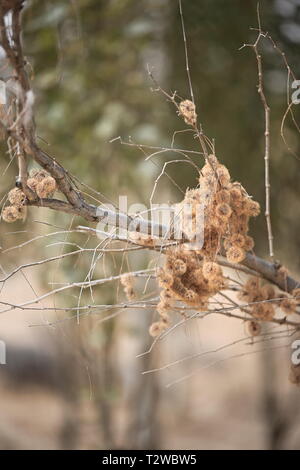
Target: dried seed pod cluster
x=192, y=274
x=187, y=109
x=185, y=277
x=227, y=210
x=164, y=305
x=288, y=305
x=254, y=328
x=127, y=283
x=41, y=183
x=253, y=292
x=17, y=209
x=265, y=300
x=142, y=239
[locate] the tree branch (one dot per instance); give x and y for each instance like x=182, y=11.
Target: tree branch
x=23, y=131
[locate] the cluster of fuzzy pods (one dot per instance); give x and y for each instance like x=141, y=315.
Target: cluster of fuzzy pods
x=186, y=278
x=193, y=276
x=40, y=182
x=187, y=109
x=264, y=301
x=227, y=209
x=17, y=209
x=127, y=283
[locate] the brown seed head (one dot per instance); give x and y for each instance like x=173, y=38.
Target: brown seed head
x=10, y=214
x=188, y=110
x=16, y=197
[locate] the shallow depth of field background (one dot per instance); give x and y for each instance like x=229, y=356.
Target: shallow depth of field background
x=80, y=386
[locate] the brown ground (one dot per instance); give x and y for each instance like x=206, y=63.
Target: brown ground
x=219, y=407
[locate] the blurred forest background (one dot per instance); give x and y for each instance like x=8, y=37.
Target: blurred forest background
x=80, y=386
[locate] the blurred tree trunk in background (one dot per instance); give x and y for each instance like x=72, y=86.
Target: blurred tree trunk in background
x=143, y=430
x=276, y=423
x=89, y=59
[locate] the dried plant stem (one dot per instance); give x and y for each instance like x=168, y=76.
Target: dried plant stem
x=186, y=53
x=267, y=151
x=261, y=92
